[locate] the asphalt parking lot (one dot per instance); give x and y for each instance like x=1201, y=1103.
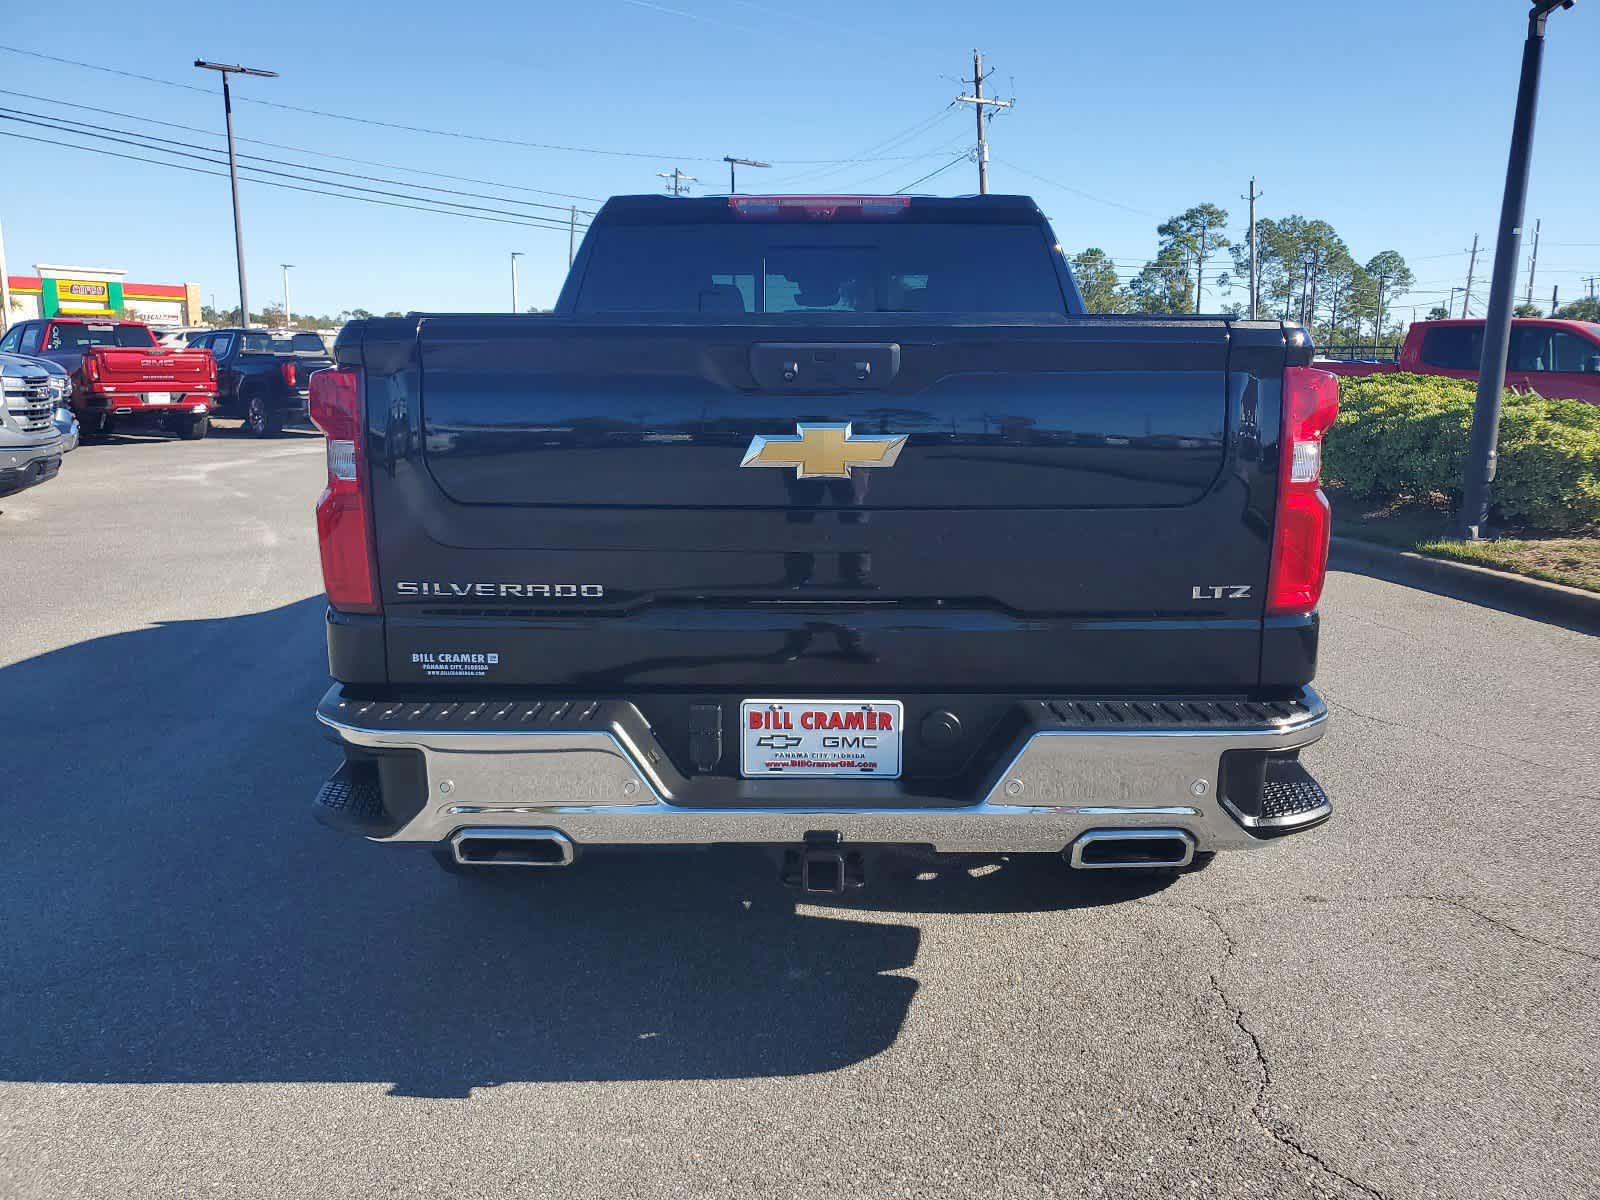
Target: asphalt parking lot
x=204, y=993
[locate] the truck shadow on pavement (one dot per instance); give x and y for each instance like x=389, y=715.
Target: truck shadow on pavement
x=172, y=914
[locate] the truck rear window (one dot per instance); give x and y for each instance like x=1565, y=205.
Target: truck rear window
x=784, y=267
x=71, y=336
x=290, y=343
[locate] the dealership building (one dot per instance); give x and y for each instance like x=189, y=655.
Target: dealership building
x=100, y=292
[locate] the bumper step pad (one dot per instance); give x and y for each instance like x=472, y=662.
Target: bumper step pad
x=352, y=802
x=1291, y=800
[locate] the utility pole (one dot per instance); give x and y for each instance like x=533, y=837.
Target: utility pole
x=1555, y=298
x=733, y=183
x=515, y=306
x=1200, y=262
x=1255, y=279
x=225, y=70
x=1592, y=278
x=979, y=102
x=1479, y=472
x=1472, y=266
x=1533, y=262
x=5, y=286
x=572, y=234
x=680, y=181
x=287, y=319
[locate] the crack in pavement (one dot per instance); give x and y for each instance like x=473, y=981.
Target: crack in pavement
x=1441, y=735
x=1263, y=1063
x=1456, y=902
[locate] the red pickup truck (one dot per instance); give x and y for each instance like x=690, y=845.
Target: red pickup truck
x=121, y=372
x=1557, y=359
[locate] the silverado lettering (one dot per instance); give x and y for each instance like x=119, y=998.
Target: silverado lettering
x=959, y=616
x=557, y=591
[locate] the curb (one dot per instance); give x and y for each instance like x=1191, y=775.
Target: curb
x=1479, y=585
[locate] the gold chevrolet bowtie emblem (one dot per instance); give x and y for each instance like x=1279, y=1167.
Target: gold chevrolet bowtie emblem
x=823, y=451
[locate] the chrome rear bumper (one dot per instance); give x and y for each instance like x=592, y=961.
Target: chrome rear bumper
x=601, y=782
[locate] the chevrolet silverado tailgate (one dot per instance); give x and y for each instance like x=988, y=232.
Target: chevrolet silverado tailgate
x=615, y=503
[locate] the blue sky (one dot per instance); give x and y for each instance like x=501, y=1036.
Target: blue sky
x=1389, y=120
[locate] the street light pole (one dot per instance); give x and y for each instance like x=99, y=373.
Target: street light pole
x=5, y=287
x=515, y=254
x=1481, y=451
x=287, y=319
x=225, y=69
x=733, y=185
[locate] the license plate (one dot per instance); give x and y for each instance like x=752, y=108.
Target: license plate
x=158, y=397
x=820, y=739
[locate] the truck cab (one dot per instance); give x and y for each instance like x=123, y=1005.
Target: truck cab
x=1558, y=359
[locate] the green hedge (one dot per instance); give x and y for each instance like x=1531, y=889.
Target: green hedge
x=1404, y=437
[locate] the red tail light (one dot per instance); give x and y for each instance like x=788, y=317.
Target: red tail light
x=211, y=368
x=1300, y=538
x=287, y=370
x=818, y=208
x=344, y=516
x=91, y=367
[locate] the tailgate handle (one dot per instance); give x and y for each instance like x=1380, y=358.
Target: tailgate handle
x=824, y=366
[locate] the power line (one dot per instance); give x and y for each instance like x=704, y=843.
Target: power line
x=47, y=124
x=88, y=129
x=270, y=183
x=1143, y=212
x=72, y=62
x=962, y=140
x=962, y=157
x=367, y=162
x=404, y=128
x=891, y=142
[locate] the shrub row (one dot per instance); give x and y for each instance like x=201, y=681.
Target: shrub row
x=1404, y=437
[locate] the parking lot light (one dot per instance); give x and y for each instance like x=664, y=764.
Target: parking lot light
x=226, y=69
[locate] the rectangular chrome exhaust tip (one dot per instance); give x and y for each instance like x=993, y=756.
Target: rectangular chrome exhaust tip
x=1114, y=849
x=512, y=848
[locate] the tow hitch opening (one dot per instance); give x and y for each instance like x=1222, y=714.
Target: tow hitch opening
x=823, y=867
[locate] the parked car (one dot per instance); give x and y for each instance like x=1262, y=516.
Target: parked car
x=823, y=524
x=1556, y=358
x=66, y=420
x=30, y=445
x=263, y=374
x=120, y=372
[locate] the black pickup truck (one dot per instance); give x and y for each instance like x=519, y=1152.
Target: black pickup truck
x=263, y=375
x=823, y=524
